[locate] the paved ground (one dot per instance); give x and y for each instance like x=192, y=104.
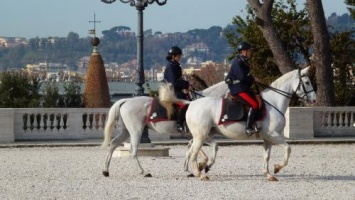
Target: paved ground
x=321, y=171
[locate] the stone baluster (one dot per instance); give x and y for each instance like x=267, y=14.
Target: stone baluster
x=329, y=121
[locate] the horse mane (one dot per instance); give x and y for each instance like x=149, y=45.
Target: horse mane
x=284, y=78
x=213, y=87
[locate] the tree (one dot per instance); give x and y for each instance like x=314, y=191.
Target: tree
x=322, y=55
x=271, y=35
x=51, y=97
x=18, y=91
x=291, y=25
x=343, y=51
x=72, y=95
x=351, y=8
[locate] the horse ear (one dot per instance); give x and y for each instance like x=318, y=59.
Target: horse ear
x=308, y=71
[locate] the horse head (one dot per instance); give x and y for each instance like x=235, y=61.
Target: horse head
x=303, y=86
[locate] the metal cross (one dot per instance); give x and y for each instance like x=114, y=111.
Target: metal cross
x=93, y=31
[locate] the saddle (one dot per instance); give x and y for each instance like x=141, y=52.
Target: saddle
x=158, y=112
x=233, y=111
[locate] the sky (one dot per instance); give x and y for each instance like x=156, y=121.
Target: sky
x=45, y=18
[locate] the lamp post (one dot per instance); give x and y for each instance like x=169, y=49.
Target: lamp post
x=140, y=5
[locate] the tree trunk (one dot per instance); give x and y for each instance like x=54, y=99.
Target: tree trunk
x=322, y=55
x=264, y=20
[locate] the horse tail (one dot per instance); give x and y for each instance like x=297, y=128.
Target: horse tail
x=113, y=115
x=167, y=98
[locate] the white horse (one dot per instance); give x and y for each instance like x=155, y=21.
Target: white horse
x=202, y=118
x=131, y=114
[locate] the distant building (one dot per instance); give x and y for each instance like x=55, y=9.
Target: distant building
x=12, y=41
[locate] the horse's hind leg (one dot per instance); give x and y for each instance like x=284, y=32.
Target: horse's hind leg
x=188, y=155
x=114, y=144
x=214, y=146
x=195, y=148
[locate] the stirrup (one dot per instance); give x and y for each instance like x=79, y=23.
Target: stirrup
x=179, y=128
x=250, y=132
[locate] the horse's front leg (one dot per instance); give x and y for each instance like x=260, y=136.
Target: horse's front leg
x=287, y=149
x=277, y=139
x=135, y=140
x=267, y=152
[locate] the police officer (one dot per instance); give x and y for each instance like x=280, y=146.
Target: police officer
x=173, y=75
x=240, y=80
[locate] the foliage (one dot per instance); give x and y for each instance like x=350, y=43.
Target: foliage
x=343, y=51
x=293, y=26
x=351, y=7
x=151, y=92
x=18, y=91
x=72, y=95
x=51, y=97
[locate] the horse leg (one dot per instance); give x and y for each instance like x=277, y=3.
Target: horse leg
x=114, y=144
x=135, y=140
x=277, y=139
x=267, y=152
x=187, y=157
x=201, y=165
x=281, y=141
x=195, y=148
x=214, y=146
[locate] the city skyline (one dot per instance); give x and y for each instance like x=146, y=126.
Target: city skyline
x=34, y=18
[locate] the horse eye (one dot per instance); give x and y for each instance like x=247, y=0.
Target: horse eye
x=307, y=82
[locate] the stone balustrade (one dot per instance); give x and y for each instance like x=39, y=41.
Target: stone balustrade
x=84, y=123
x=305, y=123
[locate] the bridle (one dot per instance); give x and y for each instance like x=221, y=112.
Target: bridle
x=300, y=87
x=289, y=95
x=193, y=95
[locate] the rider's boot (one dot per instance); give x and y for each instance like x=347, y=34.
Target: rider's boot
x=250, y=121
x=181, y=119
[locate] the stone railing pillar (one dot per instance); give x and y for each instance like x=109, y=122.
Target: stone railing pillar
x=299, y=123
x=7, y=133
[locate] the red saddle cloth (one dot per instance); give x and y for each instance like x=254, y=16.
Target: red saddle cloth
x=233, y=110
x=158, y=113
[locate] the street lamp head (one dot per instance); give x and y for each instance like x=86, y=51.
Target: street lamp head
x=138, y=2
x=108, y=1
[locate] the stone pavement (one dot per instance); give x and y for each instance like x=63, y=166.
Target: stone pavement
x=175, y=141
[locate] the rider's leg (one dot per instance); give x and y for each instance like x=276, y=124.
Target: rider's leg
x=249, y=99
x=181, y=119
x=250, y=121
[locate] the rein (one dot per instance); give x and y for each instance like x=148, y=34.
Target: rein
x=286, y=94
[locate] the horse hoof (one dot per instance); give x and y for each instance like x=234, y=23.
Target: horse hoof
x=201, y=166
x=148, y=175
x=277, y=168
x=272, y=178
x=207, y=168
x=105, y=173
x=204, y=178
x=190, y=175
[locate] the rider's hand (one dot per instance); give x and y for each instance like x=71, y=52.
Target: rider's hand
x=185, y=91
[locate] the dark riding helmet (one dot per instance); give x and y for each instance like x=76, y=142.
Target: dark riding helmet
x=175, y=50
x=243, y=46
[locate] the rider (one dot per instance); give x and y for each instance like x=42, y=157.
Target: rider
x=173, y=75
x=240, y=80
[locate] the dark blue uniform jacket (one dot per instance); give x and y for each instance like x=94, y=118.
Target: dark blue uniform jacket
x=240, y=74
x=173, y=75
